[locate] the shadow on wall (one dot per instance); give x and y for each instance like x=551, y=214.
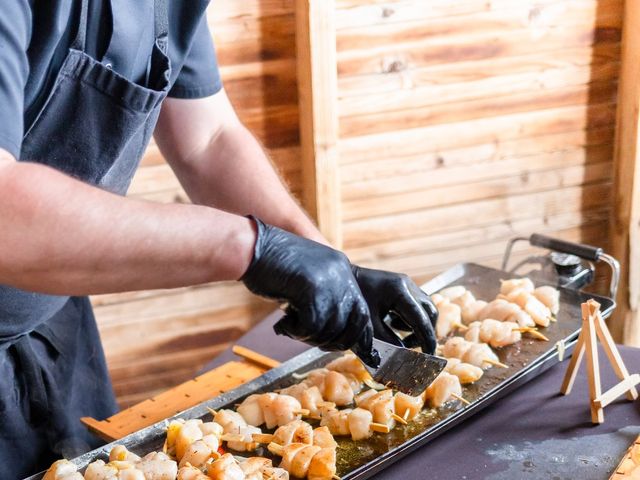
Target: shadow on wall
x=600, y=121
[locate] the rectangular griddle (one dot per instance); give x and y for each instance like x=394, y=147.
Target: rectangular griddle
x=363, y=459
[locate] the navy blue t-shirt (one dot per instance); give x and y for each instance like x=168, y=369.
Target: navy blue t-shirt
x=35, y=36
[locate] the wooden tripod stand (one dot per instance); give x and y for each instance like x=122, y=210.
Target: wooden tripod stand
x=593, y=328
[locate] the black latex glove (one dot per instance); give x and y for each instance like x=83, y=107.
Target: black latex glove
x=324, y=304
x=408, y=306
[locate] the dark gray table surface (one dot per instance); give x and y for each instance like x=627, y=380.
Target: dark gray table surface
x=534, y=433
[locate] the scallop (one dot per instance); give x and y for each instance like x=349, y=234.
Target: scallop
x=251, y=411
x=449, y=315
x=507, y=286
x=359, y=421
x=549, y=296
x=453, y=292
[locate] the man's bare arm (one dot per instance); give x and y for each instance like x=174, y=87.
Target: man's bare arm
x=61, y=236
x=220, y=163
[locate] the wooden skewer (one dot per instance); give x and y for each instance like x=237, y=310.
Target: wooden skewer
x=275, y=449
x=372, y=384
x=524, y=329
x=325, y=404
x=533, y=331
x=212, y=411
x=233, y=437
x=254, y=357
x=462, y=399
x=538, y=335
x=406, y=414
x=335, y=477
x=399, y=419
x=379, y=427
x=303, y=411
x=262, y=437
x=459, y=326
x=494, y=362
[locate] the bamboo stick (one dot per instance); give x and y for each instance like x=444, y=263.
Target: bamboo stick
x=495, y=363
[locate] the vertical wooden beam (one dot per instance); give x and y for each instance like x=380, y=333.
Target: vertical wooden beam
x=318, y=92
x=626, y=227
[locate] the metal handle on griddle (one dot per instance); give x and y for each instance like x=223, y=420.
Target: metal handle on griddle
x=586, y=252
x=578, y=249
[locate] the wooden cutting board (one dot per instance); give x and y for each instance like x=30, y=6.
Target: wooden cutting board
x=184, y=396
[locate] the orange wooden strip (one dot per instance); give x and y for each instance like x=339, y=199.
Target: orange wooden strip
x=175, y=400
x=255, y=357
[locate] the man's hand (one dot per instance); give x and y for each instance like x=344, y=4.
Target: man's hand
x=325, y=306
x=409, y=307
x=221, y=165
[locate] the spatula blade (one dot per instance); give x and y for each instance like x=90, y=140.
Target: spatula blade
x=405, y=370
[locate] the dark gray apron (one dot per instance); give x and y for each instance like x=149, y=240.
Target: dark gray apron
x=94, y=126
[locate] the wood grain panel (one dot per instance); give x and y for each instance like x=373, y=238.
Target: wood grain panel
x=464, y=81
x=467, y=47
x=379, y=229
x=415, y=141
x=475, y=79
x=248, y=28
x=278, y=88
x=148, y=306
x=229, y=11
x=463, y=192
x=486, y=107
x=478, y=157
x=258, y=50
x=472, y=235
x=368, y=13
x=475, y=173
x=515, y=18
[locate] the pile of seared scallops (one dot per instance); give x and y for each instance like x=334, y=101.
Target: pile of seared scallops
x=297, y=424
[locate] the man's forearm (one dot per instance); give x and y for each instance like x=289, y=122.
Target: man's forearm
x=234, y=174
x=60, y=236
x=220, y=163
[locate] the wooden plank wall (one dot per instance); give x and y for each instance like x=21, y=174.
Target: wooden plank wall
x=464, y=123
x=154, y=340
x=461, y=123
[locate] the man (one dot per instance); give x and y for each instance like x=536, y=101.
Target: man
x=83, y=84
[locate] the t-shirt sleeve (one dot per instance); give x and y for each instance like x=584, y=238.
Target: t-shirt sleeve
x=199, y=76
x=15, y=32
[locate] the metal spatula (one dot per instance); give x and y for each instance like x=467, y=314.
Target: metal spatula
x=403, y=369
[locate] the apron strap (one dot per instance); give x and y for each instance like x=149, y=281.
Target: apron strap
x=80, y=39
x=159, y=66
x=161, y=23
x=160, y=20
